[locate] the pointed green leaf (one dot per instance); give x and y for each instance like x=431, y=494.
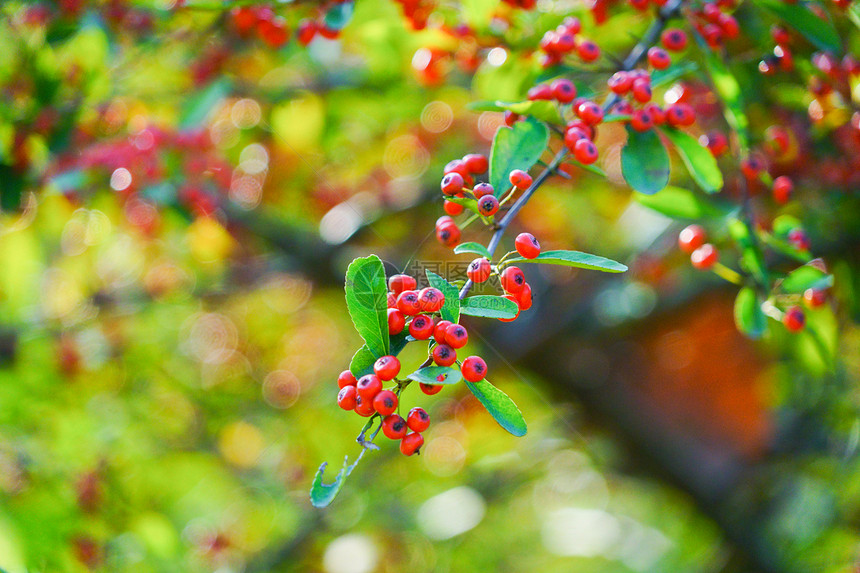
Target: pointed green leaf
x=729, y=90
x=819, y=32
x=500, y=406
x=573, y=259
x=489, y=306
x=323, y=494
x=436, y=375
x=541, y=109
x=363, y=359
x=699, y=161
x=749, y=317
x=476, y=248
x=806, y=277
x=644, y=161
x=517, y=147
x=672, y=73
x=367, y=302
x=451, y=308
x=752, y=258
x=681, y=203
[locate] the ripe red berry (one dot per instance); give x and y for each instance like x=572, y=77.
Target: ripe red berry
x=716, y=142
x=513, y=299
x=391, y=300
x=588, y=51
x=452, y=183
x=346, y=398
x=273, y=32
x=456, y=336
x=520, y=179
x=364, y=406
x=691, y=238
x=418, y=420
x=680, y=114
x=641, y=120
x=541, y=92
x=399, y=283
x=396, y=321
x=479, y=270
x=385, y=402
x=620, y=82
x=452, y=208
x=457, y=166
x=563, y=90
x=408, y=303
x=658, y=116
x=394, y=427
x=474, y=369
x=368, y=386
x=430, y=389
x=476, y=163
x=704, y=257
x=794, y=319
x=799, y=239
x=814, y=297
x=346, y=378
x=386, y=367
x=674, y=39
x=511, y=118
x=782, y=189
x=444, y=355
x=589, y=112
x=306, y=31
x=572, y=135
x=411, y=444
x=524, y=297
x=658, y=58
x=488, y=205
x=481, y=189
x=448, y=235
x=585, y=151
x=513, y=280
x=527, y=245
x=431, y=299
x=440, y=329
x=421, y=327
x=752, y=167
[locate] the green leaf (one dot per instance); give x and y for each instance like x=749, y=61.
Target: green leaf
x=699, y=161
x=806, y=277
x=681, y=203
x=198, y=107
x=489, y=306
x=819, y=32
x=362, y=361
x=749, y=317
x=451, y=308
x=436, y=375
x=323, y=494
x=470, y=247
x=467, y=202
x=644, y=161
x=339, y=15
x=500, y=406
x=672, y=73
x=616, y=117
x=729, y=90
x=540, y=109
x=517, y=147
x=367, y=302
x=752, y=258
x=573, y=259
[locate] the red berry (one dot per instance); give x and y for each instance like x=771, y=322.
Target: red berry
x=394, y=427
x=368, y=386
x=482, y=189
x=563, y=90
x=391, y=300
x=641, y=120
x=589, y=112
x=691, y=238
x=752, y=167
x=524, y=297
x=658, y=58
x=396, y=321
x=511, y=118
x=431, y=299
x=474, y=369
x=479, y=270
x=716, y=142
x=430, y=389
x=513, y=299
x=411, y=444
x=814, y=297
x=794, y=319
x=399, y=283
x=274, y=32
x=585, y=151
x=658, y=116
x=452, y=208
x=674, y=39
x=780, y=35
x=444, y=355
x=452, y=183
x=408, y=303
x=364, y=406
x=386, y=367
x=588, y=51
x=456, y=336
x=799, y=239
x=418, y=420
x=448, y=235
x=704, y=257
x=346, y=378
x=513, y=280
x=346, y=398
x=488, y=205
x=440, y=329
x=620, y=82
x=782, y=189
x=541, y=92
x=421, y=327
x=306, y=31
x=457, y=166
x=476, y=163
x=520, y=179
x=527, y=245
x=572, y=135
x=680, y=114
x=385, y=402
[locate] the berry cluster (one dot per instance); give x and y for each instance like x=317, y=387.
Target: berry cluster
x=274, y=31
x=714, y=23
x=565, y=40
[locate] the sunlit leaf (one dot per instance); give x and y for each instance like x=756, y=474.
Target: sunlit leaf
x=451, y=308
x=699, y=161
x=500, y=406
x=436, y=375
x=367, y=302
x=573, y=259
x=471, y=247
x=749, y=317
x=489, y=306
x=644, y=161
x=517, y=147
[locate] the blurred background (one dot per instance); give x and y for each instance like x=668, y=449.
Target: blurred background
x=181, y=196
